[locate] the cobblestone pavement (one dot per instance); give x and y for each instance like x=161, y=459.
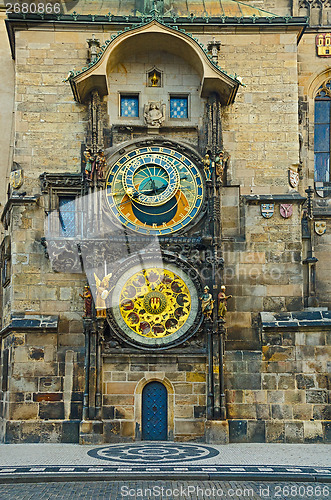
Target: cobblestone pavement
x=235, y=454
x=167, y=490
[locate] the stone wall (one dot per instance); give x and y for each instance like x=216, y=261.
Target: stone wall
x=260, y=134
x=280, y=395
x=263, y=269
x=6, y=106
x=314, y=71
x=44, y=382
x=261, y=128
x=277, y=394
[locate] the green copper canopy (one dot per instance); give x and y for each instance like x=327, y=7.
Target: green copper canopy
x=181, y=8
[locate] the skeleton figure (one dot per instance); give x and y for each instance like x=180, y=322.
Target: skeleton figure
x=207, y=167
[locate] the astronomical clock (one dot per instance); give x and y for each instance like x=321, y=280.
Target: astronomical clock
x=155, y=191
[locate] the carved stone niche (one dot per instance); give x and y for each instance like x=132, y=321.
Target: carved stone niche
x=154, y=78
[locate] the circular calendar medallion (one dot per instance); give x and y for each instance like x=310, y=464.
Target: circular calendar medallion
x=154, y=306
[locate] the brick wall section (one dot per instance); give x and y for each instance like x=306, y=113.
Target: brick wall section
x=281, y=394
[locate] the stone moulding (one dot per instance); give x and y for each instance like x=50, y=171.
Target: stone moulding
x=270, y=198
x=16, y=200
x=296, y=319
x=30, y=322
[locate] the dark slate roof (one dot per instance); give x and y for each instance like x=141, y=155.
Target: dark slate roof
x=296, y=319
x=230, y=8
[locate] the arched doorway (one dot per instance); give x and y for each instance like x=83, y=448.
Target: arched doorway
x=154, y=412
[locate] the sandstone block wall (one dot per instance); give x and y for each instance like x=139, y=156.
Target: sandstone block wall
x=42, y=386
x=280, y=395
x=263, y=270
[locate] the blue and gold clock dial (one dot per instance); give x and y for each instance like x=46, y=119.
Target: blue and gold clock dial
x=154, y=190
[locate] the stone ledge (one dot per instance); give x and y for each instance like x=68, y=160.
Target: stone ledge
x=16, y=200
x=296, y=319
x=30, y=322
x=294, y=197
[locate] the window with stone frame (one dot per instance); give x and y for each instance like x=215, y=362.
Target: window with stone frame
x=129, y=105
x=5, y=261
x=63, y=204
x=322, y=137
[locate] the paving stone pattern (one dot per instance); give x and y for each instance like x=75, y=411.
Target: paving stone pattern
x=118, y=490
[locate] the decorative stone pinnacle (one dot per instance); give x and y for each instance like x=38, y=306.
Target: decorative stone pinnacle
x=154, y=12
x=93, y=46
x=214, y=47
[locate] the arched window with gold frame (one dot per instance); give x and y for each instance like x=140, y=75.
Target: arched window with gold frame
x=322, y=138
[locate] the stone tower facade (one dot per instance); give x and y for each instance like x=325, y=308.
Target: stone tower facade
x=152, y=154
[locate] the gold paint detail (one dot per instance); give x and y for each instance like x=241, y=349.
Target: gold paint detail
x=155, y=302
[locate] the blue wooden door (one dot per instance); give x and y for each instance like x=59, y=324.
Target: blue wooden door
x=155, y=412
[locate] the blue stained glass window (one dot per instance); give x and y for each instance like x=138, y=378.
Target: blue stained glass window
x=322, y=141
x=178, y=107
x=130, y=106
x=67, y=215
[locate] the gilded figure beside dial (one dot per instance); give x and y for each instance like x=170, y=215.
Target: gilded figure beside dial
x=155, y=190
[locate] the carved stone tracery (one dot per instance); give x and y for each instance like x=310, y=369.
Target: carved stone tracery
x=317, y=10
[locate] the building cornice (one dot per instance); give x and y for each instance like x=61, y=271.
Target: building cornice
x=76, y=21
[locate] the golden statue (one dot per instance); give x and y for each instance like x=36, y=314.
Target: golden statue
x=102, y=294
x=154, y=80
x=222, y=299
